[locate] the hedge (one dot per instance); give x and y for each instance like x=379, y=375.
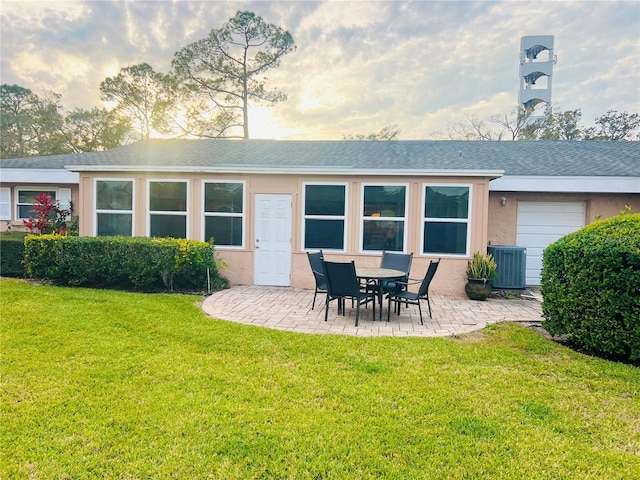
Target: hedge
x=123, y=262
x=12, y=254
x=590, y=287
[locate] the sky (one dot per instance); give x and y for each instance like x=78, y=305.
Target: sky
x=359, y=65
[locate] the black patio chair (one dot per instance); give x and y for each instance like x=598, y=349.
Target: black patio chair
x=405, y=296
x=396, y=261
x=342, y=283
x=315, y=261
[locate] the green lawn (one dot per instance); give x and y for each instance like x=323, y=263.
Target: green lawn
x=105, y=384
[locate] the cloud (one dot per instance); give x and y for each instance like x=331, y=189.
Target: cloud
x=53, y=71
x=358, y=65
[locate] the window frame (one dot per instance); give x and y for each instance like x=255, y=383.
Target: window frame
x=39, y=189
x=96, y=211
x=404, y=219
x=150, y=212
x=242, y=215
x=424, y=219
x=344, y=217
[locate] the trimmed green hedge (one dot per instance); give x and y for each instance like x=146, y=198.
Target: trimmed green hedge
x=123, y=262
x=12, y=254
x=591, y=287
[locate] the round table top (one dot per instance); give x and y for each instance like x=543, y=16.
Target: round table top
x=377, y=272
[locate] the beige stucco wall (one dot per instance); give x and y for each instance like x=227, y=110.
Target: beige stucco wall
x=14, y=224
x=503, y=218
x=449, y=280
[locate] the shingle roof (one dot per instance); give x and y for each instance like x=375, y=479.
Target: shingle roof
x=545, y=158
x=39, y=163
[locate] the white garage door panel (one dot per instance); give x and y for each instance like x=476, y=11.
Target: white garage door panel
x=535, y=251
x=559, y=216
x=542, y=223
x=546, y=229
x=575, y=207
x=550, y=219
x=541, y=241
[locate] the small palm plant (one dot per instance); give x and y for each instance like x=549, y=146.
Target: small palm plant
x=481, y=267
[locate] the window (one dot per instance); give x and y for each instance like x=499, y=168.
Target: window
x=446, y=219
x=27, y=197
x=384, y=217
x=324, y=216
x=114, y=208
x=167, y=209
x=224, y=213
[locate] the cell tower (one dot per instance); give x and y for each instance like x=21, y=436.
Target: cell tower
x=536, y=72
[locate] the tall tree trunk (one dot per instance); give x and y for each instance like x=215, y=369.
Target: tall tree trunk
x=245, y=98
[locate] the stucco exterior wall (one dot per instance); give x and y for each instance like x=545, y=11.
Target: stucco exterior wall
x=502, y=224
x=449, y=280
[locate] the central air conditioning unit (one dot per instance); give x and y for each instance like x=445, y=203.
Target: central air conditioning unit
x=512, y=266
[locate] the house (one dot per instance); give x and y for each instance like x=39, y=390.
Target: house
x=266, y=203
x=551, y=188
x=22, y=179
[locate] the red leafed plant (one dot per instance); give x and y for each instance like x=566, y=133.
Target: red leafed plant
x=50, y=218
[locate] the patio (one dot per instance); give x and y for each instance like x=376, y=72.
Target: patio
x=286, y=308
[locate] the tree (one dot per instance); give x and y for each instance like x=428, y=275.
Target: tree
x=95, y=129
x=472, y=128
x=223, y=69
x=614, y=125
x=554, y=126
x=562, y=125
x=388, y=133
x=149, y=98
x=29, y=124
x=513, y=123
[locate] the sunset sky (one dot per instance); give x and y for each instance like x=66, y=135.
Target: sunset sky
x=359, y=65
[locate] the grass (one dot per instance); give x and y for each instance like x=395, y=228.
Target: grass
x=106, y=384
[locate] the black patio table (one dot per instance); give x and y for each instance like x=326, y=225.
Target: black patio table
x=379, y=275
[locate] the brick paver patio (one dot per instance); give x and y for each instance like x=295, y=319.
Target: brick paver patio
x=286, y=308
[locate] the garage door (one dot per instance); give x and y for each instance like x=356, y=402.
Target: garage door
x=541, y=223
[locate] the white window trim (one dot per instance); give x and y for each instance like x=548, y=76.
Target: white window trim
x=162, y=212
x=325, y=217
x=223, y=214
x=35, y=188
x=5, y=203
x=123, y=212
x=404, y=220
x=64, y=199
x=424, y=219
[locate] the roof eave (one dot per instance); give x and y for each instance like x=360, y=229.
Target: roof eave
x=566, y=184
x=38, y=175
x=289, y=170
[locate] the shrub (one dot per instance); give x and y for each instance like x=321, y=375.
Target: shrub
x=12, y=254
x=122, y=262
x=590, y=282
x=50, y=218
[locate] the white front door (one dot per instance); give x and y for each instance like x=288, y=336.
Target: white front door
x=272, y=245
x=541, y=223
